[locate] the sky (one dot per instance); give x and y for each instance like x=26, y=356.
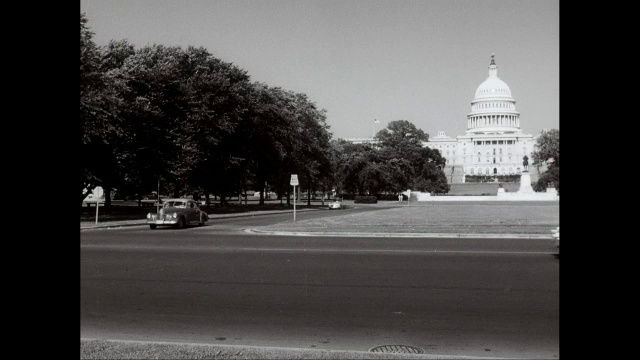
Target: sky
x=362, y=60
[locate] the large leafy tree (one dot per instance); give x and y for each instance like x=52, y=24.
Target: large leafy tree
x=412, y=165
x=100, y=116
x=547, y=153
x=401, y=135
x=313, y=151
x=218, y=102
x=269, y=137
x=191, y=123
x=398, y=162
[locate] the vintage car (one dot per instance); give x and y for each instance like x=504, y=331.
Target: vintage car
x=336, y=205
x=177, y=213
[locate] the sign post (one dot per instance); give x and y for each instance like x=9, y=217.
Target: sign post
x=97, y=193
x=294, y=183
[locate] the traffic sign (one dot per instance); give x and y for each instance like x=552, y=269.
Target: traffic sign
x=294, y=180
x=97, y=192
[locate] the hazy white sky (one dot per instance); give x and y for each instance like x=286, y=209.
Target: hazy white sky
x=415, y=60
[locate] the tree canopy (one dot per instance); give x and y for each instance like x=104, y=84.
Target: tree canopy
x=191, y=123
x=547, y=153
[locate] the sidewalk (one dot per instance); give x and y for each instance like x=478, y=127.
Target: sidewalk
x=120, y=349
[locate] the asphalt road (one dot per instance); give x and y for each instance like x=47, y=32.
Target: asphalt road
x=217, y=285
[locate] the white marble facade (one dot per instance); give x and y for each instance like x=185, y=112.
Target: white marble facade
x=493, y=142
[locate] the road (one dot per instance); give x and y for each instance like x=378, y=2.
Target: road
x=218, y=285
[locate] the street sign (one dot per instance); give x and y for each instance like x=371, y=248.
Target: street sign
x=97, y=192
x=294, y=180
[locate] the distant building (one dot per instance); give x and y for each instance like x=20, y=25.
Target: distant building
x=493, y=143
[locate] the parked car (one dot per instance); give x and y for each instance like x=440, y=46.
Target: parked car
x=336, y=205
x=178, y=213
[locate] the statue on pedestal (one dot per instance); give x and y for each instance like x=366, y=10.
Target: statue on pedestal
x=525, y=163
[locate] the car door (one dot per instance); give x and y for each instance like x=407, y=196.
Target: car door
x=190, y=212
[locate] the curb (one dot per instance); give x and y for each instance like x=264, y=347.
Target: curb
x=408, y=235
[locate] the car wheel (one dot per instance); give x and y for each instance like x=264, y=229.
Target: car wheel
x=180, y=224
x=153, y=226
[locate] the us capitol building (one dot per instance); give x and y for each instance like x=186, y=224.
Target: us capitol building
x=493, y=143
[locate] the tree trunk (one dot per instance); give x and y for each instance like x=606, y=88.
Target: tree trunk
x=261, y=192
x=107, y=196
x=222, y=200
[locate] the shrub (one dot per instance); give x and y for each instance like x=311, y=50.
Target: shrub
x=365, y=200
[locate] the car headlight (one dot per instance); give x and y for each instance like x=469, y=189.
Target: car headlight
x=175, y=215
x=148, y=215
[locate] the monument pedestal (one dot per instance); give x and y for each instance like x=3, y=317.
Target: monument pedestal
x=525, y=183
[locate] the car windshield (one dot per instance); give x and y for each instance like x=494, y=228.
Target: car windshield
x=176, y=204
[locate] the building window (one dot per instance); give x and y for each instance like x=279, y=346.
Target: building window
x=494, y=160
x=471, y=171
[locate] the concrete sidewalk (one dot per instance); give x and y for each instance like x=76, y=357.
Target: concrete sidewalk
x=120, y=349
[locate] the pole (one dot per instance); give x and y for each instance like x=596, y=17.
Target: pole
x=158, y=200
x=294, y=203
x=97, y=206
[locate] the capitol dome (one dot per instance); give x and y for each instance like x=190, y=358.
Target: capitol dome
x=493, y=109
x=493, y=87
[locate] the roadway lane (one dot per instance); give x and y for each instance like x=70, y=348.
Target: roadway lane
x=475, y=297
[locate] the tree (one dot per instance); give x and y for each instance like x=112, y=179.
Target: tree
x=547, y=152
x=100, y=116
x=401, y=134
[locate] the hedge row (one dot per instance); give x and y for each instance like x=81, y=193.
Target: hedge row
x=365, y=200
